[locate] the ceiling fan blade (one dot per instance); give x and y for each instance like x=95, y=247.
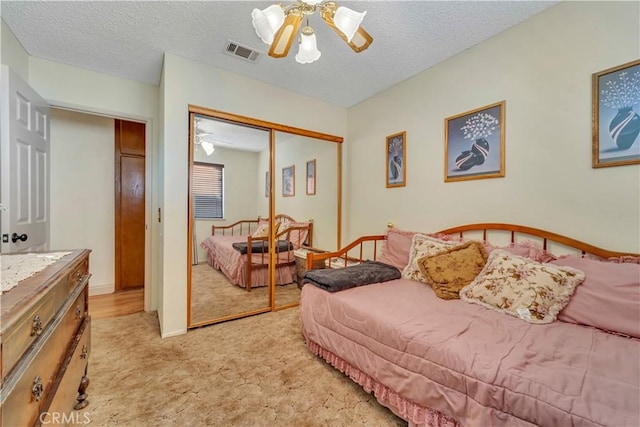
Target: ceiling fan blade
x=361, y=39
x=286, y=35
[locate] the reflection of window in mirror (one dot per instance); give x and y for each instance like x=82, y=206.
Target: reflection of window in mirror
x=208, y=197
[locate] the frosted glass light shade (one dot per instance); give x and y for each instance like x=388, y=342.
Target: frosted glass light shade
x=348, y=21
x=267, y=22
x=308, y=51
x=208, y=147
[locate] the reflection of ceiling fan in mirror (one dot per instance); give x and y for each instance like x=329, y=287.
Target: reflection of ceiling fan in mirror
x=217, y=133
x=202, y=140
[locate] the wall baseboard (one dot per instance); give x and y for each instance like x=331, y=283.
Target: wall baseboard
x=173, y=333
x=101, y=289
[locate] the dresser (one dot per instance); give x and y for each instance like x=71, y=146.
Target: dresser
x=45, y=340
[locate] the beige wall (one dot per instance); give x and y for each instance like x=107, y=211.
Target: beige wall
x=542, y=68
x=321, y=207
x=12, y=52
x=82, y=191
x=189, y=82
x=101, y=94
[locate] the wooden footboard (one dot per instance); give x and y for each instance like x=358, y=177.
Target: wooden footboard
x=283, y=257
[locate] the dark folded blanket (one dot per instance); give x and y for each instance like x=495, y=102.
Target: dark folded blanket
x=262, y=247
x=338, y=279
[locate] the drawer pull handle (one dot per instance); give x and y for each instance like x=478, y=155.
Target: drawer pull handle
x=85, y=352
x=36, y=326
x=78, y=275
x=37, y=389
x=78, y=312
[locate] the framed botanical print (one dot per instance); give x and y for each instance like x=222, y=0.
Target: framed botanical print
x=474, y=144
x=615, y=126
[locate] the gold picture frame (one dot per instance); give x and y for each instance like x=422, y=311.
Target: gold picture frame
x=474, y=144
x=615, y=122
x=289, y=181
x=311, y=177
x=396, y=160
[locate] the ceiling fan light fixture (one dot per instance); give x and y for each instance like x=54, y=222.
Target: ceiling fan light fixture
x=308, y=50
x=278, y=26
x=348, y=21
x=267, y=22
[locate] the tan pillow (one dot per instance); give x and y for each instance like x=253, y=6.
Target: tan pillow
x=261, y=231
x=522, y=287
x=421, y=246
x=451, y=270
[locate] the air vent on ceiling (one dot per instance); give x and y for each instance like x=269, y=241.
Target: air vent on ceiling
x=241, y=52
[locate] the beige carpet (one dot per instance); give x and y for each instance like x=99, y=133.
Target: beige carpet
x=213, y=296
x=255, y=371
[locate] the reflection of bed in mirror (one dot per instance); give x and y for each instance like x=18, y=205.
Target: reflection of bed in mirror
x=238, y=251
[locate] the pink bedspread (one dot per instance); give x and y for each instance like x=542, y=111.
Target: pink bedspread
x=222, y=256
x=478, y=366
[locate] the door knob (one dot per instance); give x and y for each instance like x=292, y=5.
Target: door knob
x=15, y=237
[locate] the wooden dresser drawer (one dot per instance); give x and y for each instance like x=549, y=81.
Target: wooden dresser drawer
x=68, y=381
x=30, y=386
x=28, y=328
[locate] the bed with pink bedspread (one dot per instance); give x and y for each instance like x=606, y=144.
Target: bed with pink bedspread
x=439, y=362
x=250, y=270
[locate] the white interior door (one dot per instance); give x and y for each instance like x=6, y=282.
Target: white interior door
x=24, y=167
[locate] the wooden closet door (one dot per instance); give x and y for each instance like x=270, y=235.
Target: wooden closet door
x=130, y=219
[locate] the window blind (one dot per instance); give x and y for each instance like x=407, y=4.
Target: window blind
x=208, y=200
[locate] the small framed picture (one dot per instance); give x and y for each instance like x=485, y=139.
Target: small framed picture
x=267, y=184
x=311, y=177
x=474, y=144
x=615, y=126
x=289, y=181
x=396, y=155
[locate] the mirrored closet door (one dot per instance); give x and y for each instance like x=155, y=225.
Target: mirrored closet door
x=307, y=173
x=226, y=206
x=239, y=193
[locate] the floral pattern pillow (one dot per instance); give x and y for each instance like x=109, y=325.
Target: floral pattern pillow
x=421, y=246
x=451, y=270
x=262, y=230
x=523, y=288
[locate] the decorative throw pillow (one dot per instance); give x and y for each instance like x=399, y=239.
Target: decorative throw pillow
x=526, y=248
x=523, y=288
x=451, y=270
x=396, y=248
x=261, y=231
x=421, y=246
x=609, y=297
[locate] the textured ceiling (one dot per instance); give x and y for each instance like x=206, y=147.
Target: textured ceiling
x=128, y=39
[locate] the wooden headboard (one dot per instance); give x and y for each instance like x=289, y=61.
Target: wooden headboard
x=546, y=237
x=369, y=247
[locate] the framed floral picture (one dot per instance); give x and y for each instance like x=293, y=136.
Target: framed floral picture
x=311, y=177
x=289, y=181
x=616, y=124
x=474, y=144
x=267, y=184
x=397, y=160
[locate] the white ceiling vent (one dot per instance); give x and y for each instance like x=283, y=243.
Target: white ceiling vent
x=241, y=52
